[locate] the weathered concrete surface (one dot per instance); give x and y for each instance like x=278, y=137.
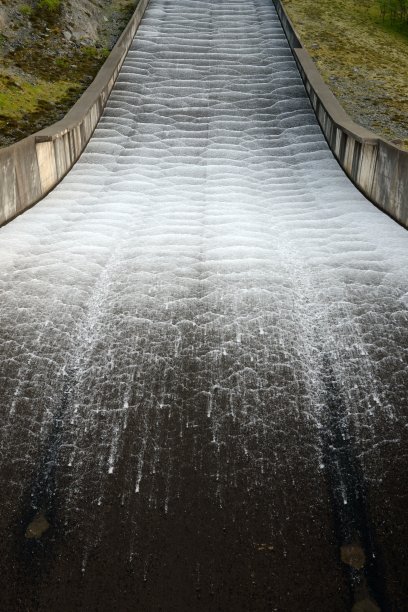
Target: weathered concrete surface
x=377, y=167
x=32, y=167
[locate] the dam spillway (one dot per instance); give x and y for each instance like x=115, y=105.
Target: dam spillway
x=204, y=349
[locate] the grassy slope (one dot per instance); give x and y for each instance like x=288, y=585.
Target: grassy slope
x=42, y=75
x=362, y=59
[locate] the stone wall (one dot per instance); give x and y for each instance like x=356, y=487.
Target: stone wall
x=32, y=167
x=377, y=167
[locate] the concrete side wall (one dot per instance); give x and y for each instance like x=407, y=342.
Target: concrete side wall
x=377, y=167
x=32, y=167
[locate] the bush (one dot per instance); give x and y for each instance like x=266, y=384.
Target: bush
x=396, y=10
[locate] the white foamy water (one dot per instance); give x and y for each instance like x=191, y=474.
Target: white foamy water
x=195, y=274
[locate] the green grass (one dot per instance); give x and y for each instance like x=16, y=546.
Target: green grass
x=362, y=58
x=95, y=53
x=18, y=97
x=26, y=9
x=49, y=5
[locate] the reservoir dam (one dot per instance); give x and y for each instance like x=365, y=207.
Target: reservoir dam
x=204, y=349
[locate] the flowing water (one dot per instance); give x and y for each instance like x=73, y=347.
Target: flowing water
x=204, y=349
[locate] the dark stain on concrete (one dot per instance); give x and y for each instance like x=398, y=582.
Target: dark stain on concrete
x=355, y=534
x=38, y=527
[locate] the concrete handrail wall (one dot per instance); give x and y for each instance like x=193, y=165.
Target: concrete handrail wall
x=377, y=167
x=30, y=168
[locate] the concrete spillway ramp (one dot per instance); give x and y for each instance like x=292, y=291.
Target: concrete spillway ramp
x=204, y=349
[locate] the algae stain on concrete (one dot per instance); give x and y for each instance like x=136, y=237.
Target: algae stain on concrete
x=365, y=605
x=353, y=555
x=38, y=526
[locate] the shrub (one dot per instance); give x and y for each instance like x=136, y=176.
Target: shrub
x=396, y=10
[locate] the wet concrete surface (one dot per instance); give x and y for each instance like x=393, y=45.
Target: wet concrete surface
x=204, y=349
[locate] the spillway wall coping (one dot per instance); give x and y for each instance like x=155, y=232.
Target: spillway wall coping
x=377, y=167
x=30, y=168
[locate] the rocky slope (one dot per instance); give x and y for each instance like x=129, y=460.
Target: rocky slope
x=50, y=50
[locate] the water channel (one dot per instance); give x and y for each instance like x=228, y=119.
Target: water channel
x=204, y=339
